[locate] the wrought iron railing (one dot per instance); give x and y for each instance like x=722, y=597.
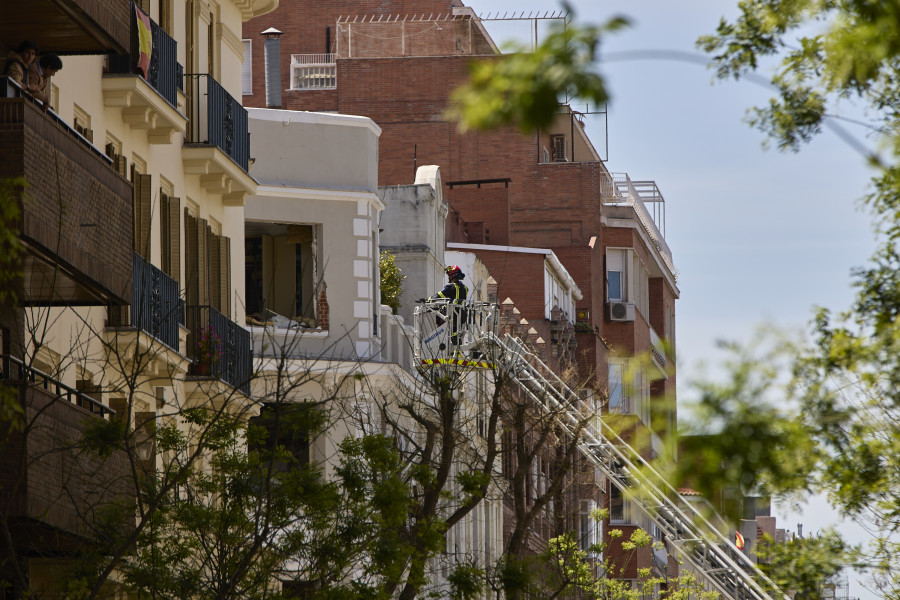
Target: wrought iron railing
x=14, y=370
x=163, y=73
x=216, y=118
x=219, y=347
x=156, y=304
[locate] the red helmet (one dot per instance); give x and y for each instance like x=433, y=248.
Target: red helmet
x=454, y=272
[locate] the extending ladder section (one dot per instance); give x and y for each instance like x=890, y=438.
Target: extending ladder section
x=707, y=552
x=466, y=335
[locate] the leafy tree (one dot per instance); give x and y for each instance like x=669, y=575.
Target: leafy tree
x=391, y=281
x=524, y=88
x=843, y=392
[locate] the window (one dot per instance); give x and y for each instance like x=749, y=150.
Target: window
x=588, y=528
x=142, y=211
x=618, y=391
x=170, y=233
x=207, y=265
x=617, y=262
x=247, y=69
x=114, y=152
x=82, y=124
x=313, y=72
x=281, y=272
x=618, y=505
x=558, y=148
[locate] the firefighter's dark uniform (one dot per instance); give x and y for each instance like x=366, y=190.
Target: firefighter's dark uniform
x=456, y=292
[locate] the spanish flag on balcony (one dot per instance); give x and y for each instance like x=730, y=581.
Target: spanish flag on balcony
x=738, y=540
x=145, y=42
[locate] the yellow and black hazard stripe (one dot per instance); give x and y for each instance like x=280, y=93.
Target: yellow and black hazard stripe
x=459, y=362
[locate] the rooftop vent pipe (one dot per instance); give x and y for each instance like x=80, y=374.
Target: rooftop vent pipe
x=273, y=67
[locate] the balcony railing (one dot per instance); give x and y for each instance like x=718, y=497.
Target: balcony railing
x=163, y=72
x=216, y=118
x=156, y=304
x=313, y=72
x=638, y=194
x=218, y=347
x=14, y=370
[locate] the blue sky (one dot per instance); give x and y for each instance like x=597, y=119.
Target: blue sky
x=758, y=236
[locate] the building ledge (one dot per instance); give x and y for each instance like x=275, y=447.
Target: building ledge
x=255, y=8
x=216, y=395
x=143, y=107
x=218, y=173
x=156, y=359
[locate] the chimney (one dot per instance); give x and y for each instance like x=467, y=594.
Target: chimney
x=273, y=67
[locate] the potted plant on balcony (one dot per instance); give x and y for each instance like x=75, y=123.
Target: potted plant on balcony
x=209, y=349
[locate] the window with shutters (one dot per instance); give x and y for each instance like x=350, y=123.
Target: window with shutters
x=558, y=148
x=170, y=235
x=114, y=152
x=281, y=272
x=207, y=266
x=142, y=212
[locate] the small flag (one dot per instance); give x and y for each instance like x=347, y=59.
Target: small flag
x=738, y=540
x=145, y=42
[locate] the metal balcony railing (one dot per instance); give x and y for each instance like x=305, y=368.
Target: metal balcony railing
x=163, y=73
x=14, y=370
x=216, y=118
x=156, y=304
x=218, y=347
x=638, y=194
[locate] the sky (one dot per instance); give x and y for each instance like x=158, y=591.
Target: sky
x=759, y=237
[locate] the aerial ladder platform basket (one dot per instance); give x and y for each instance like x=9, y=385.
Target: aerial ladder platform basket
x=458, y=337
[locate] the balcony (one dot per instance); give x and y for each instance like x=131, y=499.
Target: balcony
x=618, y=189
x=149, y=103
x=76, y=220
x=67, y=26
x=48, y=487
x=217, y=144
x=313, y=72
x=156, y=304
x=219, y=348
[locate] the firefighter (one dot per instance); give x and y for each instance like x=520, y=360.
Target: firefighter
x=455, y=292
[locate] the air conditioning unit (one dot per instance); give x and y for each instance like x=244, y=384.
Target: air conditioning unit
x=620, y=311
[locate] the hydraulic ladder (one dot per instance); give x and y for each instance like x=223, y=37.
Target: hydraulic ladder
x=444, y=332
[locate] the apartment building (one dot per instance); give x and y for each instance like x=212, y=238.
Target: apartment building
x=397, y=62
x=131, y=304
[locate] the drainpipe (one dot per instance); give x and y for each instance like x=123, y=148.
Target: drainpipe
x=273, y=67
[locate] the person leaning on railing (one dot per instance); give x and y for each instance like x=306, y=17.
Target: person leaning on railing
x=39, y=73
x=18, y=60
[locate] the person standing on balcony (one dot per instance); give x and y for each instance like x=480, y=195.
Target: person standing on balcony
x=39, y=74
x=18, y=61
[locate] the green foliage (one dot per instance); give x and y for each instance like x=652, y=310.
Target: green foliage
x=466, y=582
x=524, y=88
x=743, y=436
x=391, y=281
x=844, y=395
x=802, y=565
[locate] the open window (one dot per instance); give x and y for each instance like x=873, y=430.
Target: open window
x=282, y=273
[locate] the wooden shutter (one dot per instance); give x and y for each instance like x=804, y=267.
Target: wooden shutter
x=143, y=212
x=214, y=269
x=170, y=235
x=191, y=260
x=225, y=276
x=202, y=262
